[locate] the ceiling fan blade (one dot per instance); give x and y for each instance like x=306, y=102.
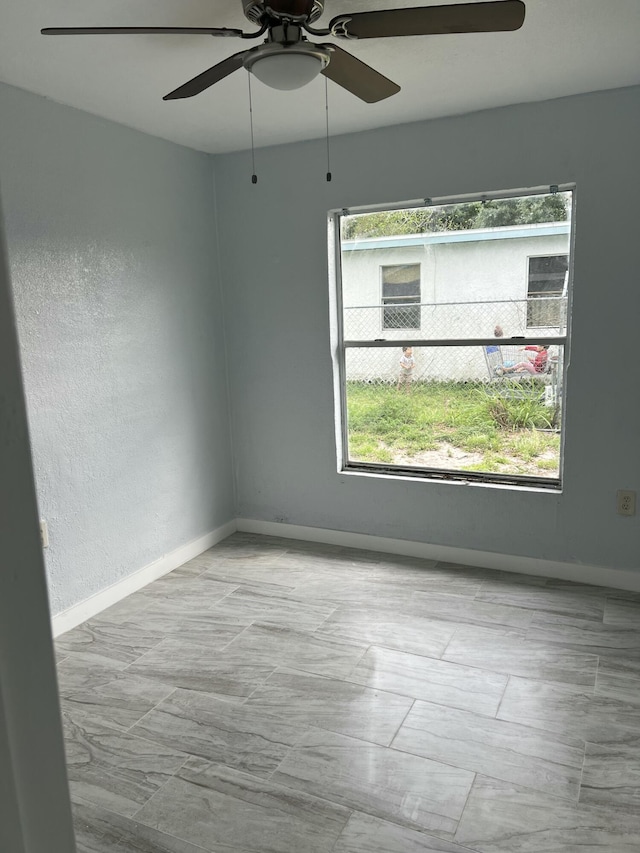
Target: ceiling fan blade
x=357, y=77
x=100, y=31
x=496, y=16
x=208, y=77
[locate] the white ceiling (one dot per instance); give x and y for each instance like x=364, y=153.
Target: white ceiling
x=565, y=47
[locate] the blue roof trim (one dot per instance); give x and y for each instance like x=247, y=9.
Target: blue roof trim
x=511, y=232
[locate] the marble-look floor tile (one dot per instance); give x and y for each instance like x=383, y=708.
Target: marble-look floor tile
x=586, y=635
x=514, y=753
x=88, y=838
x=431, y=579
x=115, y=769
x=235, y=548
x=386, y=783
x=80, y=672
x=501, y=817
x=302, y=699
x=611, y=776
x=440, y=565
x=400, y=561
x=83, y=664
x=366, y=834
x=452, y=635
x=203, y=625
x=326, y=560
x=559, y=601
x=90, y=842
x=101, y=831
x=410, y=603
x=182, y=592
x=126, y=610
x=275, y=575
x=442, y=682
x=510, y=653
x=214, y=806
x=243, y=737
x=349, y=590
x=619, y=678
x=245, y=553
x=270, y=606
x=193, y=568
x=223, y=673
x=622, y=612
x=581, y=712
x=118, y=701
x=283, y=647
x=428, y=637
x=336, y=562
x=459, y=609
x=575, y=588
x=497, y=576
x=546, y=705
x=122, y=641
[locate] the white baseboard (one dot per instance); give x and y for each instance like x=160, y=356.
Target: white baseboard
x=84, y=610
x=577, y=572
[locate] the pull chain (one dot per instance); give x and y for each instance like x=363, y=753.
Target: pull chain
x=326, y=106
x=254, y=177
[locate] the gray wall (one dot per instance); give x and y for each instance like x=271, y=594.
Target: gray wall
x=276, y=292
x=35, y=815
x=111, y=237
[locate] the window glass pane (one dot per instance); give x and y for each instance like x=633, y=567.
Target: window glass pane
x=547, y=287
x=401, y=280
x=401, y=296
x=547, y=274
x=467, y=267
x=494, y=410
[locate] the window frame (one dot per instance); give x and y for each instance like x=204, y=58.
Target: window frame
x=340, y=347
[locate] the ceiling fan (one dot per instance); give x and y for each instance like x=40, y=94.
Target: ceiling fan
x=287, y=60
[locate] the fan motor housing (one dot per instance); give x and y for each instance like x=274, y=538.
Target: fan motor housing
x=293, y=10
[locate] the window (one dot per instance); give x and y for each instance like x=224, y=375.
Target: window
x=446, y=367
x=401, y=296
x=546, y=286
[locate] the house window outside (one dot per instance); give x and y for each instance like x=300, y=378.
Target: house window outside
x=546, y=285
x=464, y=378
x=401, y=296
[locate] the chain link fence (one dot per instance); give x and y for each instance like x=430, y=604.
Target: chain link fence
x=494, y=408
x=450, y=321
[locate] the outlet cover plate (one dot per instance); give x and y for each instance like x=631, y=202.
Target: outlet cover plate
x=626, y=502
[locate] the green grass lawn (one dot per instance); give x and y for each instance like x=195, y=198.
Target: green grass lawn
x=455, y=419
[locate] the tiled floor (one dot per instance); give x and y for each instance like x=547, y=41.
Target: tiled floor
x=280, y=697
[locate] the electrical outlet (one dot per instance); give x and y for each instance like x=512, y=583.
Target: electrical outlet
x=44, y=534
x=626, y=502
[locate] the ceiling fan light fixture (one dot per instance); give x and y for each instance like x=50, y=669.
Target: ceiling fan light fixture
x=288, y=67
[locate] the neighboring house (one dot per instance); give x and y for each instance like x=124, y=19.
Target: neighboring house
x=452, y=284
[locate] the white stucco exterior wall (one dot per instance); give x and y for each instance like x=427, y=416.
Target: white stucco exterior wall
x=469, y=282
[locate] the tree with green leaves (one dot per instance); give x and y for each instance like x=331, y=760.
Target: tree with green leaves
x=494, y=213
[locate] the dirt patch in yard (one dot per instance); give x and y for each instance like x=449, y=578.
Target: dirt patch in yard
x=447, y=456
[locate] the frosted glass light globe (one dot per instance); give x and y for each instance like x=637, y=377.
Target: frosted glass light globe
x=287, y=70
